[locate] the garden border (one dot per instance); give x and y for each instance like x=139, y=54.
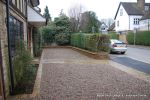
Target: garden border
x=36, y=88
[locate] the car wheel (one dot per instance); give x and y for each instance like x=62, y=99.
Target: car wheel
x=122, y=52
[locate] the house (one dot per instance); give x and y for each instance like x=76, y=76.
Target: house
x=129, y=14
x=21, y=26
x=103, y=28
x=145, y=21
x=35, y=20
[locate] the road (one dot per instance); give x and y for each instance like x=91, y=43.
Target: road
x=137, y=58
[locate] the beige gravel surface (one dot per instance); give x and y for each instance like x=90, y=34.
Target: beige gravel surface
x=86, y=81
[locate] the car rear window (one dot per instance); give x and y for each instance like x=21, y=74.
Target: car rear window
x=116, y=41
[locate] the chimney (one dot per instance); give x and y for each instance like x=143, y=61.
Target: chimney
x=141, y=4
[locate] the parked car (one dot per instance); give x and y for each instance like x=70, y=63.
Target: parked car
x=117, y=46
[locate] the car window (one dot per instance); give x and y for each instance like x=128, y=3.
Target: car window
x=116, y=41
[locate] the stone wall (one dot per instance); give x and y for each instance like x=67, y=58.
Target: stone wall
x=3, y=39
x=4, y=44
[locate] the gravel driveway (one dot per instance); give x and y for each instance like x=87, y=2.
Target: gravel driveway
x=65, y=77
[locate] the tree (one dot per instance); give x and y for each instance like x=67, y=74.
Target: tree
x=46, y=14
x=108, y=21
x=62, y=36
x=62, y=24
x=89, y=22
x=75, y=15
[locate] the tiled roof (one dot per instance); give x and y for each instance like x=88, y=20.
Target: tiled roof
x=131, y=8
x=146, y=16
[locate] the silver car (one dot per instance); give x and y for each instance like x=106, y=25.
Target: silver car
x=117, y=46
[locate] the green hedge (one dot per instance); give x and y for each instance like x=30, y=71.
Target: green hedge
x=113, y=35
x=142, y=38
x=91, y=42
x=37, y=42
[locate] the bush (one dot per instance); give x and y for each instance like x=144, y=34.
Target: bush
x=103, y=43
x=142, y=38
x=62, y=38
x=26, y=84
x=48, y=34
x=37, y=43
x=92, y=42
x=21, y=60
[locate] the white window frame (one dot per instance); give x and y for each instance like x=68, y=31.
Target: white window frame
x=136, y=21
x=121, y=12
x=118, y=23
x=146, y=8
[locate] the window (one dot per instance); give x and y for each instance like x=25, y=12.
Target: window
x=121, y=12
x=136, y=21
x=118, y=23
x=146, y=8
x=16, y=33
x=20, y=5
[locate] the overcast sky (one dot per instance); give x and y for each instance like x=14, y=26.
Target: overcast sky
x=102, y=8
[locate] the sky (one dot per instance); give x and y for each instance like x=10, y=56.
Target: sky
x=104, y=9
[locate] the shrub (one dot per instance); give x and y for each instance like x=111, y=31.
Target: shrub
x=48, y=34
x=21, y=60
x=142, y=38
x=37, y=43
x=103, y=44
x=62, y=38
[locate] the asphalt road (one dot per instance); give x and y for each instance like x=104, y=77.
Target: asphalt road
x=137, y=58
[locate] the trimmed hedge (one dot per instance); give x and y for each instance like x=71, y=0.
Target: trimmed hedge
x=91, y=42
x=142, y=38
x=113, y=35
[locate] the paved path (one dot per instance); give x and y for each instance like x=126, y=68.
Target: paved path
x=135, y=64
x=68, y=75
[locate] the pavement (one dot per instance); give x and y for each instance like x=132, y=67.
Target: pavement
x=135, y=64
x=69, y=75
x=140, y=47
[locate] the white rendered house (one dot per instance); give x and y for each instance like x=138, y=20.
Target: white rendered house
x=129, y=15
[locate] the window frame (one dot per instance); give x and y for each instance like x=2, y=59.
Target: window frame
x=16, y=33
x=118, y=23
x=121, y=12
x=146, y=8
x=136, y=21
